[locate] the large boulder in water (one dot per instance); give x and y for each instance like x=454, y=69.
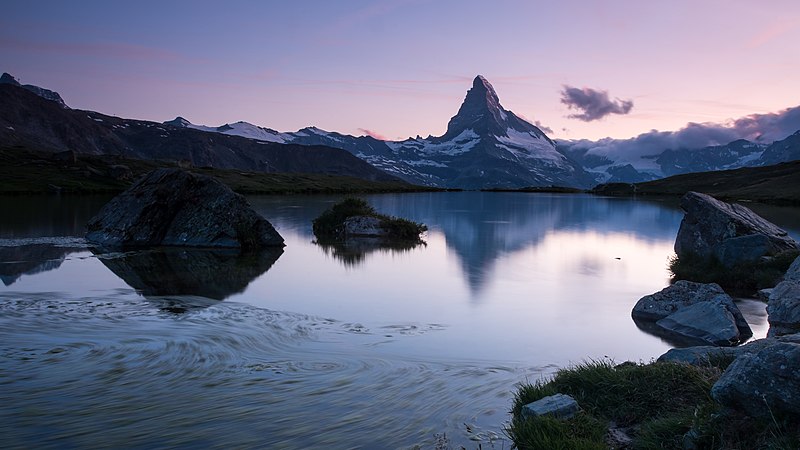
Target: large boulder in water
x=731, y=233
x=690, y=312
x=176, y=207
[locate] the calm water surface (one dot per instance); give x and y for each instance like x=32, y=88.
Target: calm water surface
x=316, y=346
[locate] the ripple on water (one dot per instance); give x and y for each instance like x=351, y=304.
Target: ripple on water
x=118, y=370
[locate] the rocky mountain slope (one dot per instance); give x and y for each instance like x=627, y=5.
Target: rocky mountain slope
x=31, y=121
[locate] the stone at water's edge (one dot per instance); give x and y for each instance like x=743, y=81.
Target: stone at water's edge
x=729, y=232
x=764, y=384
x=560, y=406
x=683, y=294
x=173, y=207
x=706, y=322
x=704, y=355
x=783, y=309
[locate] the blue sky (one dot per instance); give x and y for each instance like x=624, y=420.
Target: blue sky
x=401, y=67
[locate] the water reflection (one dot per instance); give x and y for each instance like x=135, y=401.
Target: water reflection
x=482, y=227
x=30, y=259
x=354, y=251
x=161, y=274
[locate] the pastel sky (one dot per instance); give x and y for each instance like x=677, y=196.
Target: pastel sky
x=400, y=68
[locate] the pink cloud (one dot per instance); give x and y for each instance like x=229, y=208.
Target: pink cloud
x=774, y=30
x=373, y=134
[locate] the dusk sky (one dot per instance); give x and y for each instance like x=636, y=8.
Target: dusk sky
x=399, y=68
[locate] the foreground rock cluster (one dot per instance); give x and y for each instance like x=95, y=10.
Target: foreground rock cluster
x=174, y=207
x=764, y=377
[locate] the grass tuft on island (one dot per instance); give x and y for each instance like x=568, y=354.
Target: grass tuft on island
x=655, y=404
x=740, y=280
x=329, y=226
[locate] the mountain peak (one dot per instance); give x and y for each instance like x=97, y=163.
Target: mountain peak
x=7, y=78
x=483, y=113
x=482, y=86
x=179, y=122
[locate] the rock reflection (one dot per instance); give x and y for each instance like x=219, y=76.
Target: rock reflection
x=178, y=280
x=354, y=251
x=30, y=259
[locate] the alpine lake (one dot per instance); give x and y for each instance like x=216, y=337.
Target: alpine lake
x=323, y=346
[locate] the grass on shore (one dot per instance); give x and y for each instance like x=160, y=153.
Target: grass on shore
x=656, y=404
x=741, y=279
x=776, y=184
x=329, y=226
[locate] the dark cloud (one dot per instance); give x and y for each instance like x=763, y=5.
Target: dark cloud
x=765, y=128
x=593, y=104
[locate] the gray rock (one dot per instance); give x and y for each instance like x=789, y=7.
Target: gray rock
x=705, y=354
x=363, y=226
x=763, y=384
x=560, y=406
x=701, y=355
x=730, y=232
x=682, y=294
x=175, y=207
x=706, y=322
x=783, y=309
x=763, y=294
x=793, y=273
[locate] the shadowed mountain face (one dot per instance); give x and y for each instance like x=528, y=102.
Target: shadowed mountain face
x=212, y=274
x=31, y=121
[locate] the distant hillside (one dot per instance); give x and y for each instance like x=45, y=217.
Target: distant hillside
x=778, y=183
x=31, y=121
x=26, y=171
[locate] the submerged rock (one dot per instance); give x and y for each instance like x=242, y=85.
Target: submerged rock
x=765, y=384
x=175, y=207
x=692, y=312
x=731, y=233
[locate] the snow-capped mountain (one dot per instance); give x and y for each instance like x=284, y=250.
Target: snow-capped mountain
x=485, y=146
x=641, y=164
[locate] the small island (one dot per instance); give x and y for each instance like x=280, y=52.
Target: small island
x=355, y=218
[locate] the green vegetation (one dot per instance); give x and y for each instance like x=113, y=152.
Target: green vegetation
x=329, y=226
x=778, y=184
x=656, y=404
x=741, y=279
x=26, y=171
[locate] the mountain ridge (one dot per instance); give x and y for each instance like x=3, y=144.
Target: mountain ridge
x=28, y=120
